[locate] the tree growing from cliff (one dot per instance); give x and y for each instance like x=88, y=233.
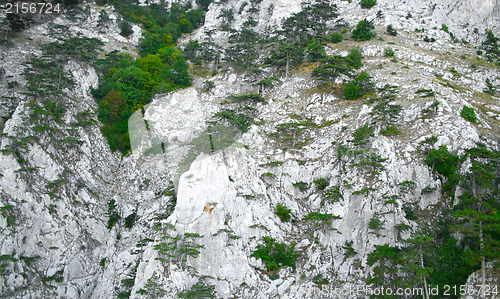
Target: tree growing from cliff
x=363, y=31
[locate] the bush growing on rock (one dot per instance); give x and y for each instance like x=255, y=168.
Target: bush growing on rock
x=336, y=37
x=391, y=30
x=363, y=31
x=368, y=3
x=361, y=85
x=275, y=255
x=282, y=212
x=469, y=114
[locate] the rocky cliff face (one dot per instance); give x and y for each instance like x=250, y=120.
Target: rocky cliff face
x=203, y=203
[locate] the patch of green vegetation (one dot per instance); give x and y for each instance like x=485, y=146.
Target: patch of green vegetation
x=130, y=220
x=241, y=120
x=363, y=31
x=469, y=114
x=321, y=217
x=198, y=290
x=102, y=263
x=292, y=133
x=429, y=189
x=332, y=67
x=368, y=3
x=333, y=194
x=174, y=247
x=113, y=214
x=359, y=86
x=303, y=186
x=319, y=280
x=336, y=37
x=425, y=93
x=7, y=212
x=126, y=85
x=444, y=163
x=409, y=213
x=429, y=111
x=283, y=212
x=388, y=52
x=391, y=31
x=406, y=185
x=390, y=131
x=57, y=277
x=362, y=135
x=275, y=254
x=273, y=163
x=269, y=175
x=255, y=98
x=376, y=222
x=364, y=190
x=321, y=183
x=349, y=250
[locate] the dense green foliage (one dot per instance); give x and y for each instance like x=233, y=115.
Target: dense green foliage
x=321, y=183
x=437, y=257
x=128, y=84
x=363, y=31
x=491, y=46
x=469, y=114
x=368, y=3
x=275, y=255
x=332, y=67
x=444, y=163
x=283, y=212
x=336, y=37
x=315, y=51
x=360, y=86
x=361, y=136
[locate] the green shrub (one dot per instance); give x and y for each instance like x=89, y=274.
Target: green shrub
x=269, y=175
x=368, y=3
x=130, y=220
x=362, y=135
x=319, y=280
x=320, y=216
x=390, y=131
x=336, y=37
x=388, y=52
x=256, y=98
x=126, y=29
x=333, y=194
x=102, y=263
x=275, y=255
x=303, y=186
x=208, y=85
x=469, y=114
x=444, y=163
x=198, y=290
x=239, y=120
x=315, y=51
x=360, y=86
x=363, y=31
x=282, y=212
x=409, y=213
x=376, y=222
x=113, y=214
x=321, y=183
x=349, y=251
x=391, y=30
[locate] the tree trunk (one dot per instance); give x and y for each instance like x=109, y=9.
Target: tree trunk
x=426, y=290
x=287, y=66
x=481, y=238
x=483, y=261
